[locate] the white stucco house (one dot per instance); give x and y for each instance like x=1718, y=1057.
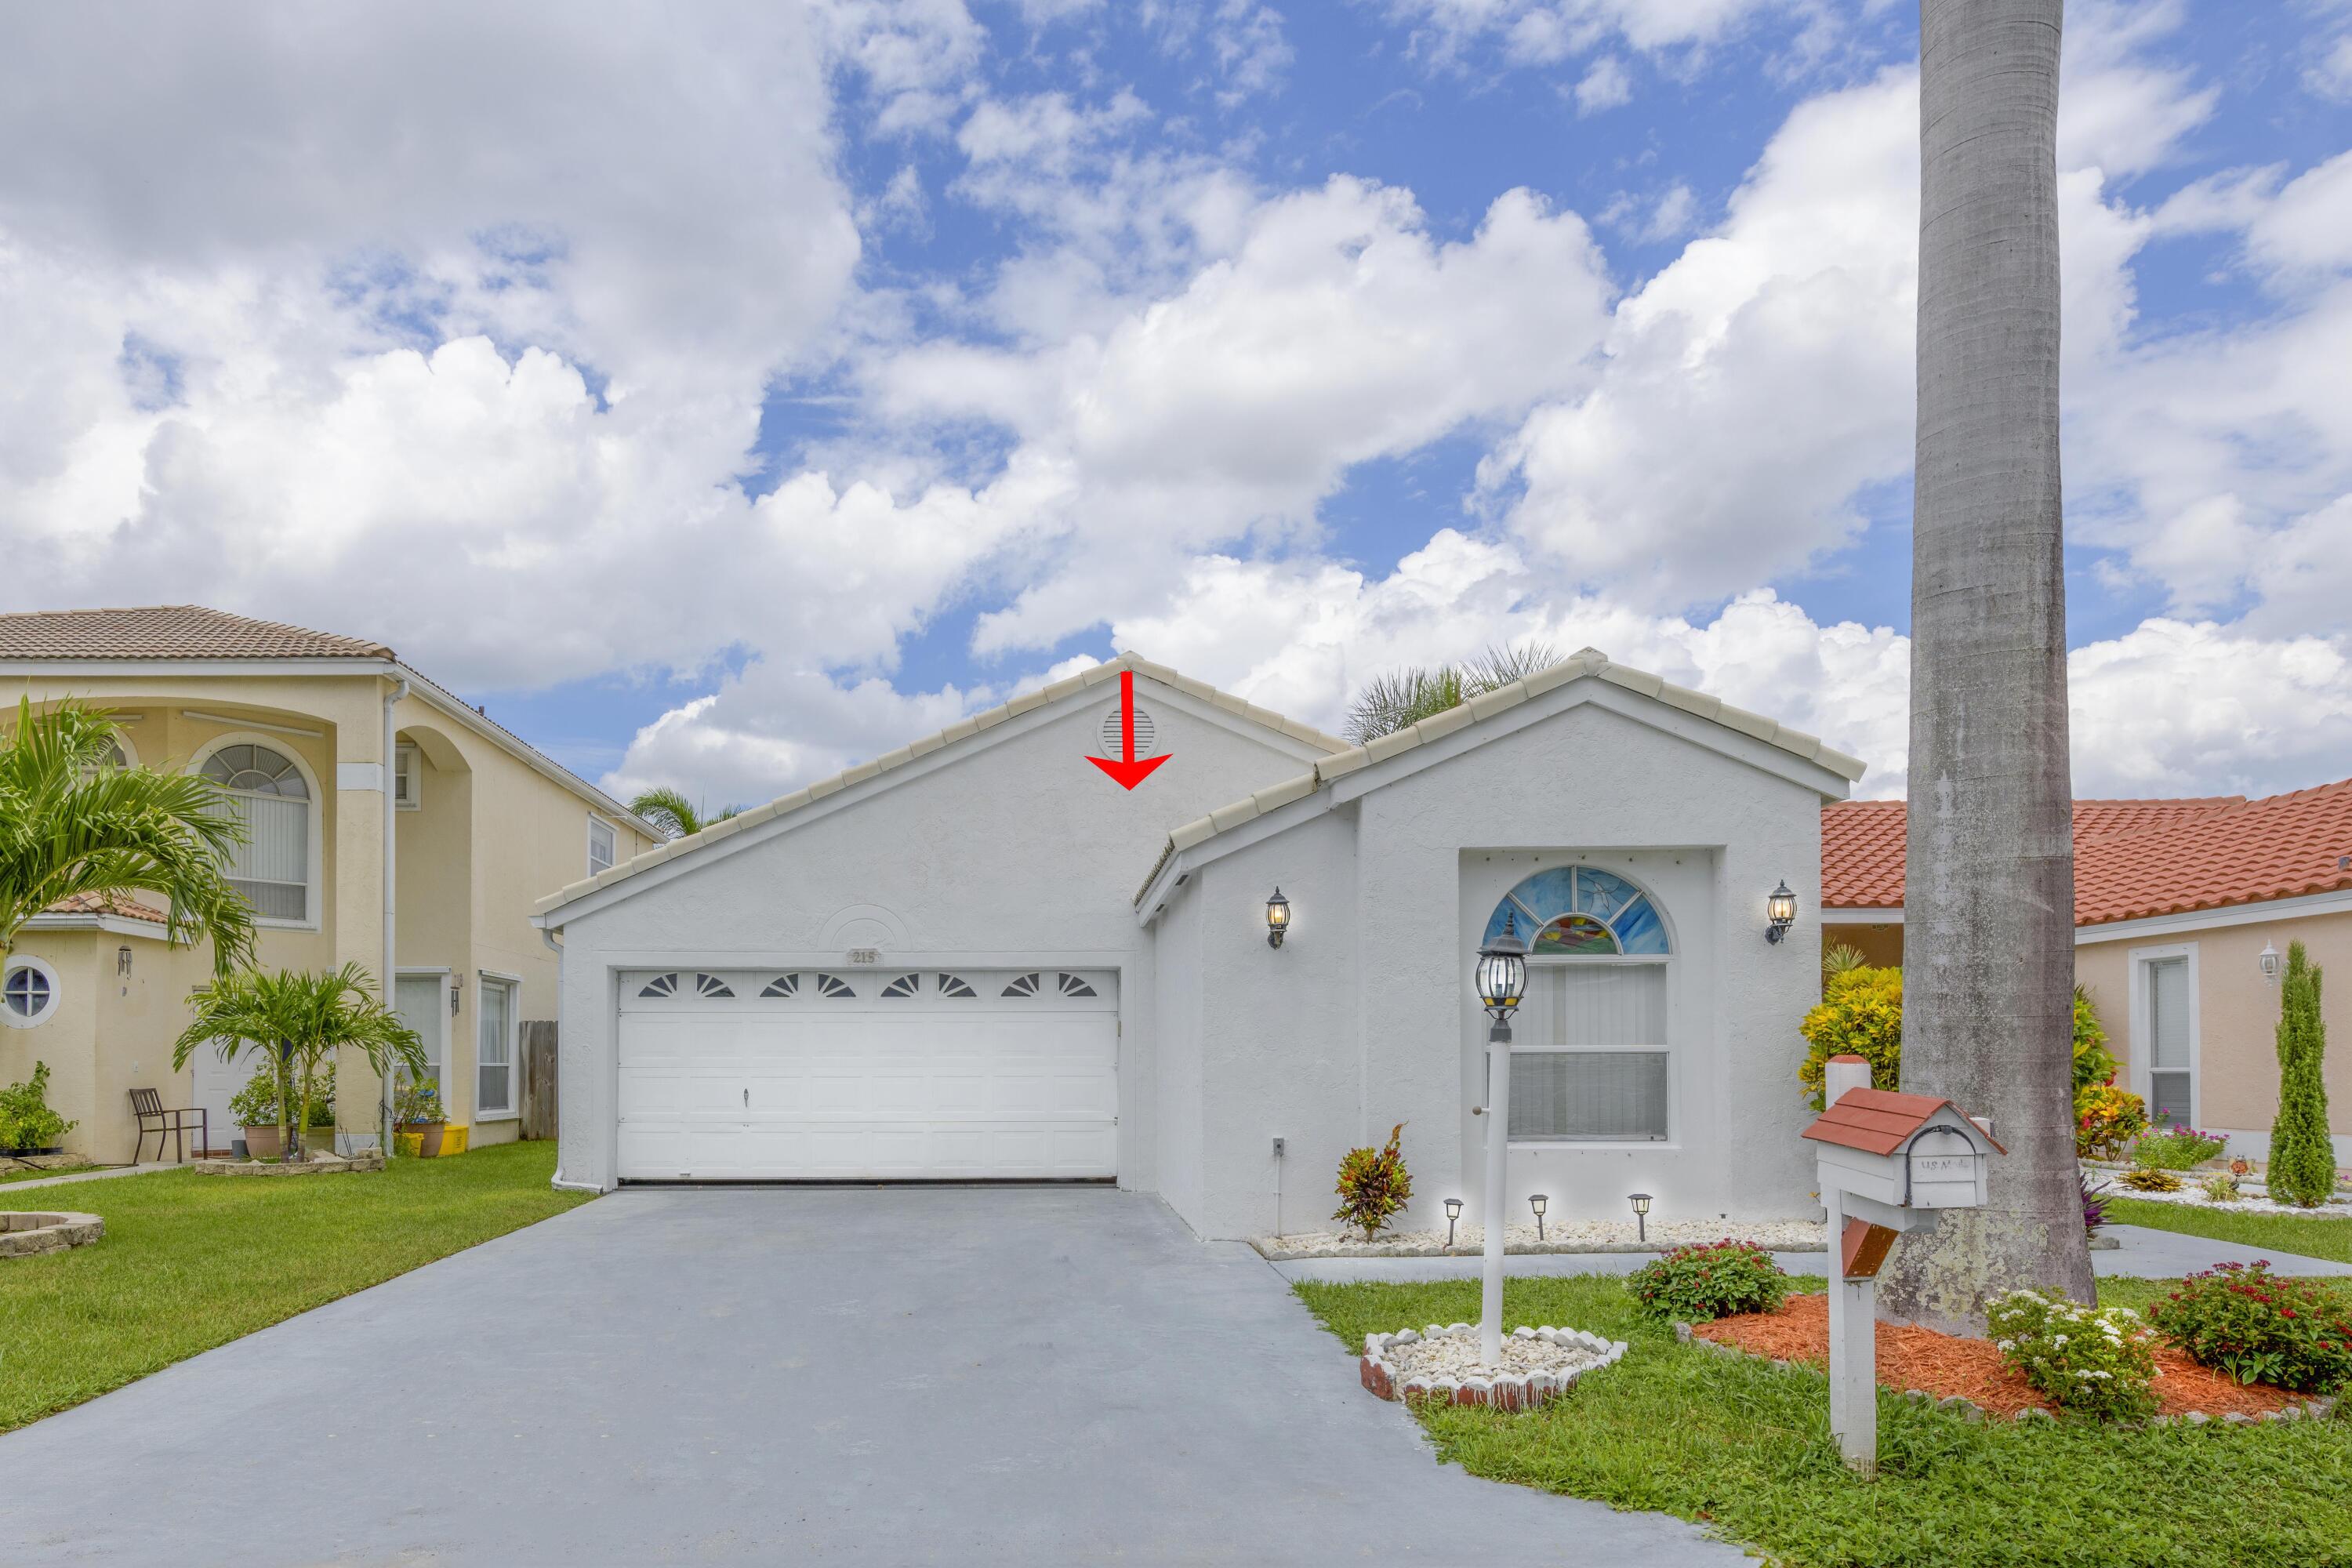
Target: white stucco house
x=980, y=958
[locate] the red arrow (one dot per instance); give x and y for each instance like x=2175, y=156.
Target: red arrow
x=1130, y=770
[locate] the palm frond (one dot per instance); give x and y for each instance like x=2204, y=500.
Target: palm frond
x=71, y=823
x=667, y=809
x=1392, y=701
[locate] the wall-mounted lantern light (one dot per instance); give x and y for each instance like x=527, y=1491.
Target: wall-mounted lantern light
x=1780, y=910
x=457, y=984
x=2269, y=959
x=122, y=962
x=1641, y=1202
x=1453, y=1213
x=1537, y=1201
x=1278, y=917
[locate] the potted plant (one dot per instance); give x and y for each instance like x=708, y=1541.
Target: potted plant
x=319, y=1106
x=28, y=1125
x=254, y=1111
x=418, y=1114
x=297, y=1019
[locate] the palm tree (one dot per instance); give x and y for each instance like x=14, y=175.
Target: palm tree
x=1989, y=966
x=73, y=822
x=300, y=1018
x=1403, y=698
x=670, y=810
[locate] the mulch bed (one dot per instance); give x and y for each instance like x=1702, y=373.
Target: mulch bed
x=1944, y=1364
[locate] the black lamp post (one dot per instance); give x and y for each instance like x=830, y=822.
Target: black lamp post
x=1502, y=976
x=1277, y=919
x=1537, y=1201
x=1641, y=1202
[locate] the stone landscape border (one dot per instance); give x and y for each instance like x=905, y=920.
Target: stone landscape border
x=1264, y=1248
x=1967, y=1409
x=314, y=1164
x=1509, y=1393
x=24, y=1234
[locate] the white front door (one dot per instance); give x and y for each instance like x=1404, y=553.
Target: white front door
x=733, y=1075
x=213, y=1083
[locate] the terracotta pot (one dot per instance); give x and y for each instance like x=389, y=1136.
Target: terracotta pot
x=263, y=1142
x=429, y=1137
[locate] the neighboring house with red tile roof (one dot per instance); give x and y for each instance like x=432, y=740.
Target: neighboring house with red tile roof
x=343, y=762
x=2176, y=903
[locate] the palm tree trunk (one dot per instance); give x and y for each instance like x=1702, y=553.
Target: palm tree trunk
x=289, y=1108
x=1989, y=961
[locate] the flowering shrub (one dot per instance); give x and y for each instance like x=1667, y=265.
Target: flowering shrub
x=2258, y=1328
x=2106, y=1118
x=2150, y=1179
x=25, y=1119
x=1713, y=1280
x=2173, y=1148
x=1373, y=1185
x=2093, y=1361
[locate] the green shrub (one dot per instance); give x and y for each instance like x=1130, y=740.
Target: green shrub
x=419, y=1101
x=1373, y=1185
x=255, y=1105
x=1861, y=1014
x=2089, y=1360
x=25, y=1119
x=2260, y=1328
x=1713, y=1280
x=2172, y=1148
x=318, y=1096
x=2303, y=1164
x=2150, y=1179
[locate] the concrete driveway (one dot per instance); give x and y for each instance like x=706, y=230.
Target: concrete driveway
x=1019, y=1376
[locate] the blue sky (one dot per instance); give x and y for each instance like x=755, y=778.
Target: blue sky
x=726, y=398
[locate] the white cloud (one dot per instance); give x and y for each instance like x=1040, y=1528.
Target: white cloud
x=1251, y=53
x=1603, y=85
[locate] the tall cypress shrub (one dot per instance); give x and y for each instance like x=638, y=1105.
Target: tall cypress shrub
x=2303, y=1162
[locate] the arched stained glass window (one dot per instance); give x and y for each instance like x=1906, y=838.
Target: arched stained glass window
x=1582, y=910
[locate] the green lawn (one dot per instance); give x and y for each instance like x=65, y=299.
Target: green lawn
x=189, y=1262
x=1748, y=1450
x=2312, y=1236
x=36, y=1175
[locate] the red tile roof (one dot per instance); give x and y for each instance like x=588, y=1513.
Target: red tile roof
x=114, y=904
x=169, y=631
x=2133, y=858
x=1876, y=1120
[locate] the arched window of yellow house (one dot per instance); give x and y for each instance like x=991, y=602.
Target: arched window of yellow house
x=272, y=799
x=1592, y=1058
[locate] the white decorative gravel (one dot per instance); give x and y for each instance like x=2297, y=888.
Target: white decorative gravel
x=1560, y=1236
x=2255, y=1202
x=1453, y=1358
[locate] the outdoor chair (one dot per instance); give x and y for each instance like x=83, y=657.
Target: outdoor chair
x=148, y=1106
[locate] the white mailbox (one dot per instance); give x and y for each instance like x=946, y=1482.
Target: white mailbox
x=1889, y=1163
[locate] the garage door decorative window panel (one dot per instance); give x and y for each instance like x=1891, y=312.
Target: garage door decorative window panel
x=979, y=1076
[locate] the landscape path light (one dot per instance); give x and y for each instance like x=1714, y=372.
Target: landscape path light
x=1502, y=976
x=1641, y=1202
x=1453, y=1213
x=1537, y=1201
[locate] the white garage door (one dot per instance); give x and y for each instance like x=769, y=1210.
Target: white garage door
x=808, y=1075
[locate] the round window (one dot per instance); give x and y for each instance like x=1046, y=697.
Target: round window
x=28, y=993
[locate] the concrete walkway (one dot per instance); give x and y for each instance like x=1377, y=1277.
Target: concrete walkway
x=106, y=1174
x=2144, y=1254
x=962, y=1376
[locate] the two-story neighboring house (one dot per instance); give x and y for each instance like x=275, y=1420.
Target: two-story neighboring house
x=375, y=803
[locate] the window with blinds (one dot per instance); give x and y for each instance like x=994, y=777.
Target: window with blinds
x=1606, y=1073
x=269, y=798
x=494, y=1065
x=2169, y=1083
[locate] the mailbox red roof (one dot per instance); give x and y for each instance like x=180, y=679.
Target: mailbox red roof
x=1877, y=1121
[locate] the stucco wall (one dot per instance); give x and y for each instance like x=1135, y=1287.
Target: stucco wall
x=1004, y=848
x=1366, y=1017
x=2237, y=1019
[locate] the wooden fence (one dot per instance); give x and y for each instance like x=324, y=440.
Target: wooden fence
x=539, y=1097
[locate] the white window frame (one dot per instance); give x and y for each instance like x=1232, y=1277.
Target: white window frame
x=2143, y=1026
x=483, y=980
x=596, y=822
x=407, y=776
x=40, y=966
x=313, y=897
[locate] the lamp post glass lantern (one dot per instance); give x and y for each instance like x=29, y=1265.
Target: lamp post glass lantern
x=1641, y=1202
x=1277, y=919
x=1780, y=911
x=1502, y=976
